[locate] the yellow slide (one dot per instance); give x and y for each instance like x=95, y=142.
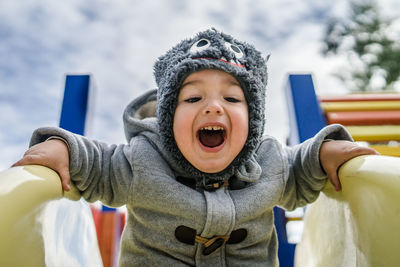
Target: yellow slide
x=359, y=226
x=38, y=226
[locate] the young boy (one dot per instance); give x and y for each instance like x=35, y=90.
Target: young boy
x=198, y=178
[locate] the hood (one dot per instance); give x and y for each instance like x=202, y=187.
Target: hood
x=211, y=49
x=140, y=115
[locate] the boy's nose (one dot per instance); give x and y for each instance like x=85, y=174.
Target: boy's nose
x=213, y=108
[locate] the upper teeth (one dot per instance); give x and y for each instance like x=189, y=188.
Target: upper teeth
x=214, y=128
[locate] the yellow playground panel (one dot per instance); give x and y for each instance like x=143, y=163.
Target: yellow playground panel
x=375, y=133
x=40, y=225
x=360, y=105
x=359, y=226
x=373, y=118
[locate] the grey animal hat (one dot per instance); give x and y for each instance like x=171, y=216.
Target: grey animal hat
x=211, y=49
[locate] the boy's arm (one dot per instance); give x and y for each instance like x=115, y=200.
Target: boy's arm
x=310, y=163
x=100, y=171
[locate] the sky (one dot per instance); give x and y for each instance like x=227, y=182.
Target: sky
x=118, y=41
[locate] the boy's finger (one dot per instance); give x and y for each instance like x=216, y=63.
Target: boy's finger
x=65, y=180
x=333, y=177
x=18, y=163
x=66, y=186
x=26, y=160
x=360, y=150
x=373, y=151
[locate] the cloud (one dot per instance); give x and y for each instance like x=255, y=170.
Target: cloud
x=118, y=43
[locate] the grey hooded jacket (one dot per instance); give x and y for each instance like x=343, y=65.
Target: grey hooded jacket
x=140, y=175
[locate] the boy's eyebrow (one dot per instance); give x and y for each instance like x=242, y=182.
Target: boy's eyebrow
x=188, y=83
x=232, y=81
x=235, y=82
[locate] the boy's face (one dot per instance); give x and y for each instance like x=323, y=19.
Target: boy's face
x=211, y=120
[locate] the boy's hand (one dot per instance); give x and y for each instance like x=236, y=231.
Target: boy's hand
x=53, y=154
x=334, y=153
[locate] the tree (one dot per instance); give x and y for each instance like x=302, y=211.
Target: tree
x=369, y=42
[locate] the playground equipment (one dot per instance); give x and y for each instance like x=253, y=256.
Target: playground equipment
x=42, y=230
x=373, y=118
x=357, y=226
x=40, y=225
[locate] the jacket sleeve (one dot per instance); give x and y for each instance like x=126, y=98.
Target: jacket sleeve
x=99, y=171
x=304, y=177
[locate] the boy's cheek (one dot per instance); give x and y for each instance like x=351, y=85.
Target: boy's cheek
x=182, y=126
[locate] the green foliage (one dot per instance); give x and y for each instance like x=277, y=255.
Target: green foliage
x=366, y=38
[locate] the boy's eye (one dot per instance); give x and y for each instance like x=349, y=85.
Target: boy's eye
x=232, y=99
x=192, y=99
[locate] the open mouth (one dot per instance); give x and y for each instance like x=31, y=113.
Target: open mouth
x=212, y=136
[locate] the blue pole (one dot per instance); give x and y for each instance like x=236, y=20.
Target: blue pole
x=75, y=106
x=75, y=103
x=305, y=114
x=305, y=120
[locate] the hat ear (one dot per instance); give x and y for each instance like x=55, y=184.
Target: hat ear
x=171, y=58
x=160, y=67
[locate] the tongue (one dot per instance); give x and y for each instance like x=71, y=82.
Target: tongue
x=211, y=138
